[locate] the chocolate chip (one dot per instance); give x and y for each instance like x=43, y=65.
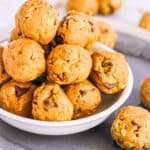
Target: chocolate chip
x=46, y=102
x=98, y=74
x=19, y=33
x=107, y=63
x=109, y=85
x=83, y=92
x=20, y=91
x=77, y=110
x=92, y=26
x=59, y=39
x=136, y=124
x=49, y=103
x=61, y=76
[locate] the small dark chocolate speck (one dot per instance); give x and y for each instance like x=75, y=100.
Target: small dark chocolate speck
x=92, y=26
x=61, y=76
x=20, y=91
x=136, y=124
x=83, y=92
x=46, y=102
x=19, y=33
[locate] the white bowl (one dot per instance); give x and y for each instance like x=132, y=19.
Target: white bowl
x=109, y=105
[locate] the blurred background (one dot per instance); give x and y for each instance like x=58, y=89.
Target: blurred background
x=130, y=12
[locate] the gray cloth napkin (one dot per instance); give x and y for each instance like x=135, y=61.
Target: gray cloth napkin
x=98, y=138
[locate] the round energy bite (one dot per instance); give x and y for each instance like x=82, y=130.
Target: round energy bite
x=108, y=35
x=3, y=74
x=145, y=92
x=107, y=7
x=78, y=29
x=131, y=128
x=68, y=64
x=89, y=7
x=51, y=104
x=85, y=98
x=16, y=97
x=24, y=60
x=145, y=21
x=109, y=71
x=38, y=20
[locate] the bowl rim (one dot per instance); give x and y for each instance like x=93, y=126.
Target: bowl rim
x=123, y=97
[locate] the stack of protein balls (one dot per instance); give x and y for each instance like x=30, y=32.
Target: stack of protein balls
x=49, y=63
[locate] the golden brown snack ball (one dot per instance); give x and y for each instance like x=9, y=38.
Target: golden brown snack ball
x=16, y=97
x=109, y=71
x=131, y=128
x=38, y=20
x=89, y=7
x=51, y=104
x=78, y=29
x=145, y=21
x=15, y=34
x=85, y=98
x=145, y=92
x=24, y=60
x=68, y=64
x=108, y=35
x=3, y=74
x=107, y=7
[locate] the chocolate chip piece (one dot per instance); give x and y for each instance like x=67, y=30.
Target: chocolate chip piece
x=61, y=76
x=78, y=111
x=92, y=26
x=46, y=102
x=136, y=124
x=20, y=91
x=99, y=74
x=107, y=63
x=109, y=85
x=49, y=103
x=19, y=33
x=59, y=39
x=83, y=92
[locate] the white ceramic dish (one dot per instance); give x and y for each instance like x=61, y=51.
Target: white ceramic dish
x=109, y=105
